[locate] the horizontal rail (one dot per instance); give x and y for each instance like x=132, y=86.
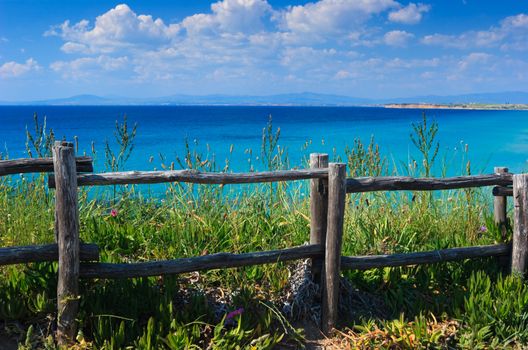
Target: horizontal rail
x=228, y=260
x=452, y=254
x=39, y=165
x=193, y=176
x=501, y=191
x=41, y=253
x=397, y=183
x=206, y=262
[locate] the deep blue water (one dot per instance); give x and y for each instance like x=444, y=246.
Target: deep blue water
x=494, y=138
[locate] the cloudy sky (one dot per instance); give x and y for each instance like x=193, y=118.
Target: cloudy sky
x=363, y=48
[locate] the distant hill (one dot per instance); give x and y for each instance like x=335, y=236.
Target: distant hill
x=297, y=99
x=280, y=99
x=74, y=100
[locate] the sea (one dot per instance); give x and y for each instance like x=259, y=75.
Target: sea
x=232, y=135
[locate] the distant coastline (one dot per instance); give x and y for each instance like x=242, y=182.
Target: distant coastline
x=472, y=106
x=507, y=100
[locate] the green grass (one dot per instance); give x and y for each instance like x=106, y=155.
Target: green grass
x=468, y=305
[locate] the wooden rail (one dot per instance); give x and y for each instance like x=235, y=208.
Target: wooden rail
x=206, y=262
x=500, y=205
x=399, y=183
x=67, y=234
x=519, y=260
x=328, y=188
x=501, y=191
x=39, y=165
x=334, y=239
x=436, y=256
x=193, y=176
x=318, y=210
x=42, y=253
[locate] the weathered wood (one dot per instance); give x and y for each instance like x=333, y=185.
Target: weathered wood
x=499, y=207
x=398, y=183
x=334, y=237
x=502, y=191
x=39, y=165
x=519, y=261
x=41, y=253
x=206, y=262
x=67, y=226
x=436, y=256
x=318, y=210
x=193, y=176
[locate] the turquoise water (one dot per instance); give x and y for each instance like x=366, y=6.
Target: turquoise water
x=494, y=138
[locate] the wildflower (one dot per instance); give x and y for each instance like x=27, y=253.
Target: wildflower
x=483, y=229
x=232, y=314
x=113, y=213
x=229, y=320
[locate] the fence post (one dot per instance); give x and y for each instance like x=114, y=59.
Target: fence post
x=500, y=204
x=334, y=237
x=67, y=233
x=318, y=210
x=519, y=261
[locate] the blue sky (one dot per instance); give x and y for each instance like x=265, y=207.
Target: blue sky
x=363, y=48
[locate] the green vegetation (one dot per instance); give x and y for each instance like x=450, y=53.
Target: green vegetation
x=479, y=106
x=466, y=305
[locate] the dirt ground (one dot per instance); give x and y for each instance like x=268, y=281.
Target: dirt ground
x=7, y=344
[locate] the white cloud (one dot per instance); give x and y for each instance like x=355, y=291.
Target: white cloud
x=427, y=75
x=519, y=21
x=400, y=63
x=234, y=32
x=241, y=15
x=199, y=24
x=118, y=28
x=14, y=69
x=72, y=47
x=442, y=40
x=234, y=16
x=397, y=38
x=465, y=40
x=89, y=66
x=410, y=14
x=511, y=34
x=474, y=59
x=517, y=29
x=247, y=43
x=343, y=74
x=301, y=58
x=331, y=16
x=235, y=39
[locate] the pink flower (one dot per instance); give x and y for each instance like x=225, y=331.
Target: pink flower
x=483, y=229
x=113, y=213
x=229, y=320
x=232, y=314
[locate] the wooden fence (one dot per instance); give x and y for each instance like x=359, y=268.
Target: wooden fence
x=328, y=189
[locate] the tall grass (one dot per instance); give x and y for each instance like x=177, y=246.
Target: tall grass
x=432, y=306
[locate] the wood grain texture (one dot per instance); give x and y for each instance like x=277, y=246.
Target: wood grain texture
x=436, y=256
x=519, y=261
x=67, y=226
x=398, y=183
x=500, y=204
x=318, y=210
x=502, y=191
x=41, y=253
x=193, y=176
x=206, y=262
x=39, y=165
x=334, y=237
